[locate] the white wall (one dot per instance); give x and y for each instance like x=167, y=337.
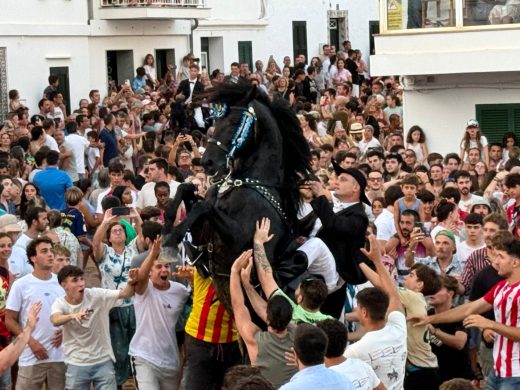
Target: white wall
x=83, y=50
x=21, y=12
x=360, y=12
x=442, y=113
x=29, y=59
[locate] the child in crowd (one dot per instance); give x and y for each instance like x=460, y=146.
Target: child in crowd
x=416, y=140
x=94, y=157
x=378, y=205
x=473, y=139
x=409, y=186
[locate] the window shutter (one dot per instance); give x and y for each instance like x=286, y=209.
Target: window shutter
x=497, y=119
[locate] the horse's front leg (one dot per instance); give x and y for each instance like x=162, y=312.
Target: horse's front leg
x=199, y=211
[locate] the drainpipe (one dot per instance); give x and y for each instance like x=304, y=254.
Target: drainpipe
x=194, y=25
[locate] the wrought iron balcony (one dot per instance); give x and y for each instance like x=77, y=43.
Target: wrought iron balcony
x=153, y=9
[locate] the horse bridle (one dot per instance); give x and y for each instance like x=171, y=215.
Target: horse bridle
x=241, y=133
x=247, y=121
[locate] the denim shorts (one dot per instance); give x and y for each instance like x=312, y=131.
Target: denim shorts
x=102, y=376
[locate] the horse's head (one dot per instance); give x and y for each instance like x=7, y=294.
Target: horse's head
x=243, y=127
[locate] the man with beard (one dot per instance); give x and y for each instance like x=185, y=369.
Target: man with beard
x=445, y=262
x=393, y=163
x=421, y=244
x=467, y=199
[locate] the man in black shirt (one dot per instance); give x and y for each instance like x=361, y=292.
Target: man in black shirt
x=352, y=67
x=449, y=341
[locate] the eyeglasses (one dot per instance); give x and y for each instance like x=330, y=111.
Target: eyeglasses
x=409, y=155
x=375, y=179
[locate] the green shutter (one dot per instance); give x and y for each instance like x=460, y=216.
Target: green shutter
x=245, y=53
x=497, y=119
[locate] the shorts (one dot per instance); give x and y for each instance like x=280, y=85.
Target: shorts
x=152, y=377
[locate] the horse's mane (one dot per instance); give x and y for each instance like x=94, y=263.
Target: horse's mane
x=296, y=153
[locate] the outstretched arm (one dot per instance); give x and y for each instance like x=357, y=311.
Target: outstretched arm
x=246, y=328
x=384, y=281
x=263, y=267
x=144, y=270
x=10, y=354
x=458, y=313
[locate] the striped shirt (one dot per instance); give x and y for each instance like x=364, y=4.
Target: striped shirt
x=209, y=321
x=477, y=261
x=506, y=353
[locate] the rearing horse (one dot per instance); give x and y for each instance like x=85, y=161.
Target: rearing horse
x=257, y=155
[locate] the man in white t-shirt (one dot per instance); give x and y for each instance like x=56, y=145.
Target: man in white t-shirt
x=158, y=171
x=357, y=371
x=158, y=303
x=383, y=347
x=368, y=141
x=79, y=146
x=42, y=360
x=385, y=221
x=83, y=313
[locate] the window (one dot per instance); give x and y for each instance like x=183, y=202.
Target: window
x=163, y=58
x=497, y=119
x=299, y=31
x=120, y=66
x=63, y=87
x=245, y=53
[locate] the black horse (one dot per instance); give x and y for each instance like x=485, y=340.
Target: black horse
x=257, y=157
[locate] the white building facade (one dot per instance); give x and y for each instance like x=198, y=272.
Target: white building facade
x=458, y=60
x=90, y=43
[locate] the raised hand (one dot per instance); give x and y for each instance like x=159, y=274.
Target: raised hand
x=156, y=248
x=245, y=273
x=374, y=254
x=184, y=272
x=133, y=276
x=262, y=231
x=241, y=261
x=32, y=316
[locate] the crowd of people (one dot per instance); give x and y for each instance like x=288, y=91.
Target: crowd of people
x=414, y=258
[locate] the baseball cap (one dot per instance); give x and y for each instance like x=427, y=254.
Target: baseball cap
x=9, y=223
x=472, y=123
x=449, y=234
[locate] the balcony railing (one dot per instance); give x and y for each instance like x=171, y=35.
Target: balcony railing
x=151, y=9
x=153, y=3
